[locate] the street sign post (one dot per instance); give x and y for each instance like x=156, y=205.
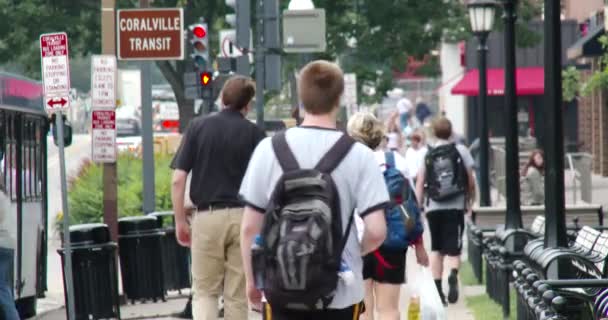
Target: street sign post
x=55, y=66
x=55, y=71
x=150, y=34
x=103, y=127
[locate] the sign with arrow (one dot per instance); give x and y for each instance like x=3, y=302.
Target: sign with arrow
x=55, y=71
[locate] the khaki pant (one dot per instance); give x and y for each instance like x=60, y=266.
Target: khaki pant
x=217, y=267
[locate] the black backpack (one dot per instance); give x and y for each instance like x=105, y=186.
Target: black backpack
x=302, y=235
x=446, y=175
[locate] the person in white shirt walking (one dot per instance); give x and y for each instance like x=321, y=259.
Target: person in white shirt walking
x=414, y=156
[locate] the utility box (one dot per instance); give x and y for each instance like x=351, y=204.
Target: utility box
x=304, y=31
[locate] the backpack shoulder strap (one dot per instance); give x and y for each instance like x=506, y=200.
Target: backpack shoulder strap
x=284, y=154
x=336, y=154
x=389, y=158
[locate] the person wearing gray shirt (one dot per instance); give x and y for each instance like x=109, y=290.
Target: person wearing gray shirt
x=446, y=218
x=358, y=180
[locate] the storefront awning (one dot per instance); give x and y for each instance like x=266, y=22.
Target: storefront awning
x=587, y=46
x=530, y=82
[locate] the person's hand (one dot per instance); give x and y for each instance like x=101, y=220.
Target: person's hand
x=421, y=256
x=183, y=233
x=255, y=296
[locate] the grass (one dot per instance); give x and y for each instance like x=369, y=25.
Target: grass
x=484, y=308
x=467, y=278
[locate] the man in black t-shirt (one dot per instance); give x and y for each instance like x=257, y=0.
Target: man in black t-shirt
x=216, y=150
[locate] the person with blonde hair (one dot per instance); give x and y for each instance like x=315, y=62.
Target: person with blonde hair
x=384, y=269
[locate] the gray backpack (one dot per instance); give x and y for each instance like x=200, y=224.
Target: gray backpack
x=302, y=235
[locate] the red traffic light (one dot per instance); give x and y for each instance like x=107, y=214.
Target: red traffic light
x=206, y=78
x=199, y=31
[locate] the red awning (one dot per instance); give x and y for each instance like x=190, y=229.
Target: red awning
x=530, y=82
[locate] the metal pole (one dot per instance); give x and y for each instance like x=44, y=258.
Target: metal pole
x=110, y=182
x=67, y=246
x=513, y=218
x=147, y=132
x=484, y=142
x=260, y=66
x=555, y=227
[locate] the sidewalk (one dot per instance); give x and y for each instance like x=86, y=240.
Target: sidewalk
x=175, y=304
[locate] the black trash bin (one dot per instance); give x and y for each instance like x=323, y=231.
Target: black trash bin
x=176, y=259
x=95, y=272
x=140, y=243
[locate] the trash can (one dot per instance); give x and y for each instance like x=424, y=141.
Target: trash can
x=95, y=272
x=139, y=240
x=176, y=259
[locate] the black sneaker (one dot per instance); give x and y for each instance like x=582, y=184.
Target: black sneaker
x=453, y=286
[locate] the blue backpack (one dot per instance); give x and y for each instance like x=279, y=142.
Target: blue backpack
x=402, y=216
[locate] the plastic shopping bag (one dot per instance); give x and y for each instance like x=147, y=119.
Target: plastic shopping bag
x=431, y=307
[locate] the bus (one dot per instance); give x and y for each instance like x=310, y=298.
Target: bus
x=23, y=166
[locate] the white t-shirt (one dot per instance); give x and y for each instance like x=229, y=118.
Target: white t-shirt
x=414, y=160
x=364, y=191
x=393, y=140
x=404, y=105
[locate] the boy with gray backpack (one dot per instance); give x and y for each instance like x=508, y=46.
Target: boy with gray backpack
x=301, y=190
x=446, y=182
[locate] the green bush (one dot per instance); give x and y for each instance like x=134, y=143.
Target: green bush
x=85, y=196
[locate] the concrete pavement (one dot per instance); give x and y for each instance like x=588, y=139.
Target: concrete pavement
x=74, y=155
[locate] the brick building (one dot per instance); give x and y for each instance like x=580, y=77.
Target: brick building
x=593, y=110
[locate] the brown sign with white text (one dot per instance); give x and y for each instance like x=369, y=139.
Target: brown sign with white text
x=150, y=34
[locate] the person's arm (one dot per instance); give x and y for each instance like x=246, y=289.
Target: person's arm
x=178, y=189
x=420, y=181
x=371, y=199
x=374, y=232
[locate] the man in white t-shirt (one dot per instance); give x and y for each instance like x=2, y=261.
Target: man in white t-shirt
x=320, y=86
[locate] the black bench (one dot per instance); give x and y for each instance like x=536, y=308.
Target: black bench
x=579, y=295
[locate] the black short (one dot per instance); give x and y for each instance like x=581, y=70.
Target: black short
x=447, y=227
x=389, y=271
x=353, y=312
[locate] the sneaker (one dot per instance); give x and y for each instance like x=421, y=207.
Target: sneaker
x=453, y=287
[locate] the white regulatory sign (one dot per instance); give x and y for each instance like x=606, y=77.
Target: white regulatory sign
x=104, y=136
x=55, y=71
x=103, y=82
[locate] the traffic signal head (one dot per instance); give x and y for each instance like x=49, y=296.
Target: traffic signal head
x=206, y=78
x=200, y=45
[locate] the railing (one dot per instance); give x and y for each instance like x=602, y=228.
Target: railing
x=578, y=179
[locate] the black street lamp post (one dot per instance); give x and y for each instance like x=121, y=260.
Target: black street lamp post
x=555, y=227
x=482, y=13
x=513, y=218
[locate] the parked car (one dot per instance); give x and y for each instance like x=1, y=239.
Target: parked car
x=128, y=121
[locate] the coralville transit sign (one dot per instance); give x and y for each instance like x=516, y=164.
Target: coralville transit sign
x=150, y=34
